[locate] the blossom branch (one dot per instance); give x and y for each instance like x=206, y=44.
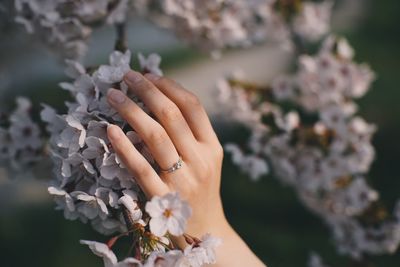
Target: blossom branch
x=121, y=41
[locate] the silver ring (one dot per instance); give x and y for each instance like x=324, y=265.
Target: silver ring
x=176, y=166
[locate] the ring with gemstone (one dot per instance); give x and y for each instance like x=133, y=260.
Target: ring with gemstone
x=175, y=167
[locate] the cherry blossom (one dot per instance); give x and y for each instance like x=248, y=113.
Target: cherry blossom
x=318, y=144
x=67, y=24
x=168, y=214
x=316, y=261
x=21, y=144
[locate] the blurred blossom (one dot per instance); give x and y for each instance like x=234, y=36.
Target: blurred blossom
x=67, y=24
x=151, y=64
x=315, y=261
x=212, y=25
x=21, y=144
x=313, y=21
x=317, y=144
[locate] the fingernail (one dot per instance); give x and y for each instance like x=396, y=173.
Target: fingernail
x=152, y=76
x=133, y=77
x=116, y=96
x=113, y=132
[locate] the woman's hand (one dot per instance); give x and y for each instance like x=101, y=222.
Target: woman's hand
x=181, y=130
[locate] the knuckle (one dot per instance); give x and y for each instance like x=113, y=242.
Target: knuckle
x=192, y=100
x=166, y=82
x=219, y=151
x=163, y=82
x=157, y=137
x=140, y=87
x=170, y=113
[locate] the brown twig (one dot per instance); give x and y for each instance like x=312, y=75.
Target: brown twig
x=121, y=42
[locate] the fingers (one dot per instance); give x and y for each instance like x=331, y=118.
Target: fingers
x=144, y=173
x=152, y=133
x=166, y=111
x=189, y=105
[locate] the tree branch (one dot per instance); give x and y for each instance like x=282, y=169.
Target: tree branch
x=121, y=42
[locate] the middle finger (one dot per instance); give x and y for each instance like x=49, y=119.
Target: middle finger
x=153, y=134
x=166, y=111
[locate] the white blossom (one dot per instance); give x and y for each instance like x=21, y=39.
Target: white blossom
x=202, y=253
x=21, y=143
x=313, y=22
x=253, y=165
x=151, y=64
x=315, y=261
x=313, y=140
x=129, y=200
x=168, y=214
x=119, y=66
x=212, y=25
x=101, y=250
x=67, y=24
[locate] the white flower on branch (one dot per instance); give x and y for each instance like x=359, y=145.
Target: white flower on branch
x=305, y=126
x=21, y=143
x=67, y=24
x=253, y=165
x=212, y=25
x=315, y=261
x=193, y=257
x=76, y=163
x=169, y=259
x=72, y=137
x=101, y=250
x=129, y=200
x=168, y=214
x=119, y=66
x=151, y=64
x=90, y=206
x=87, y=169
x=96, y=149
x=313, y=21
x=202, y=253
x=64, y=202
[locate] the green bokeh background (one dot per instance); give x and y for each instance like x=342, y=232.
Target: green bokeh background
x=266, y=214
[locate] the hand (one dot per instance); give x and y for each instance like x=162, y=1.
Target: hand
x=181, y=129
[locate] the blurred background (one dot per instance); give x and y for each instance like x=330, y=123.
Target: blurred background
x=265, y=213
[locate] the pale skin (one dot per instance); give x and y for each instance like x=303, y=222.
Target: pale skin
x=181, y=129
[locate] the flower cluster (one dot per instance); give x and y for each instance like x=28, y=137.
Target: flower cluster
x=210, y=25
x=92, y=184
x=90, y=180
x=316, y=261
x=66, y=24
x=305, y=126
x=215, y=24
x=21, y=143
x=198, y=253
